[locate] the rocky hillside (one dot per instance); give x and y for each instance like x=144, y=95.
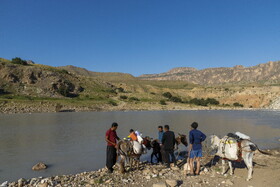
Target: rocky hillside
x=104, y=76
x=43, y=81
x=264, y=73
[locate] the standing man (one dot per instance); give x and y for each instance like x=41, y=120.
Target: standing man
x=168, y=142
x=160, y=134
x=195, y=149
x=111, y=138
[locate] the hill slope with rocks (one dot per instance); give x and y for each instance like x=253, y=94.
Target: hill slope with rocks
x=266, y=73
x=30, y=87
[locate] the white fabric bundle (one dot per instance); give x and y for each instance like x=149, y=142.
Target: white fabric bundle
x=228, y=148
x=243, y=136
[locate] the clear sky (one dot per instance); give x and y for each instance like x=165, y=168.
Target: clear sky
x=141, y=36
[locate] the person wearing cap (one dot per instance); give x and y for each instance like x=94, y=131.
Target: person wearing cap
x=195, y=148
x=111, y=138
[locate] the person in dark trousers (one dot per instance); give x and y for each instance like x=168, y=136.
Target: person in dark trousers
x=111, y=138
x=195, y=149
x=160, y=134
x=168, y=142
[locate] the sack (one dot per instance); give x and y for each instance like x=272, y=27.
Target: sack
x=243, y=136
x=137, y=147
x=228, y=148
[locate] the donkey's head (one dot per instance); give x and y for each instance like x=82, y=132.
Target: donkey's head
x=214, y=140
x=182, y=139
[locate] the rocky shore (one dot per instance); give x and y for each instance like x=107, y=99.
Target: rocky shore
x=46, y=107
x=266, y=173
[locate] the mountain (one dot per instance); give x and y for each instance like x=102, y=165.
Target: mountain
x=264, y=73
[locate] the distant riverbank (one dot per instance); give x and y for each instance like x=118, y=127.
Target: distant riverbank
x=47, y=106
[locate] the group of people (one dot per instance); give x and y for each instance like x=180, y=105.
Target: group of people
x=167, y=141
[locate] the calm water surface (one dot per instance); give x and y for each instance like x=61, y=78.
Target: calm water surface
x=74, y=142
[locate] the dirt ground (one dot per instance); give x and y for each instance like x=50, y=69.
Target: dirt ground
x=266, y=174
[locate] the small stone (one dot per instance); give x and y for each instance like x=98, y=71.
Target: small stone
x=21, y=182
x=148, y=177
x=154, y=176
x=161, y=184
x=175, y=168
x=92, y=181
x=205, y=170
x=228, y=182
x=146, y=172
x=39, y=166
x=45, y=184
x=171, y=183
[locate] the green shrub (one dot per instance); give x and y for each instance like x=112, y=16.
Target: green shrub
x=133, y=99
x=120, y=90
x=238, y=105
x=162, y=102
x=204, y=102
x=64, y=71
x=18, y=60
x=113, y=103
x=123, y=97
x=167, y=95
x=212, y=101
x=176, y=99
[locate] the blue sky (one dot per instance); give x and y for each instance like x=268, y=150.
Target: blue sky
x=141, y=36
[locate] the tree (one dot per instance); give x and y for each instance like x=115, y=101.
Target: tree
x=167, y=95
x=162, y=102
x=18, y=60
x=176, y=99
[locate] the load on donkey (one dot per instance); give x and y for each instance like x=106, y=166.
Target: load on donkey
x=131, y=150
x=235, y=147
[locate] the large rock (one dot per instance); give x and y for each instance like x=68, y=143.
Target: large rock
x=161, y=184
x=171, y=183
x=39, y=166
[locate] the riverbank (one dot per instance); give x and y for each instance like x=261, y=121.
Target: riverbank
x=266, y=173
x=48, y=106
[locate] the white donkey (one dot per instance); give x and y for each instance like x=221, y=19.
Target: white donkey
x=228, y=148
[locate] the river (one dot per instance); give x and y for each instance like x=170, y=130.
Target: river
x=74, y=142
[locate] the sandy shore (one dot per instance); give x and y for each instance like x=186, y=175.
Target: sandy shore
x=266, y=173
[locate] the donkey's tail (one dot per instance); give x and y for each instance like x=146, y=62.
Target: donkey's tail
x=263, y=152
x=254, y=147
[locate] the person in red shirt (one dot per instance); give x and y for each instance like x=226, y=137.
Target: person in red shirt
x=111, y=138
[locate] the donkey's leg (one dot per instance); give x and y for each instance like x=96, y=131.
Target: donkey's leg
x=223, y=166
x=249, y=164
x=122, y=161
x=230, y=167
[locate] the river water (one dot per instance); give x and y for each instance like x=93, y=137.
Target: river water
x=74, y=142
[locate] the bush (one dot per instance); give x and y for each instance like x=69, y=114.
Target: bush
x=167, y=95
x=212, y=101
x=133, y=99
x=176, y=99
x=18, y=60
x=153, y=93
x=113, y=103
x=120, y=90
x=162, y=102
x=238, y=105
x=123, y=97
x=64, y=71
